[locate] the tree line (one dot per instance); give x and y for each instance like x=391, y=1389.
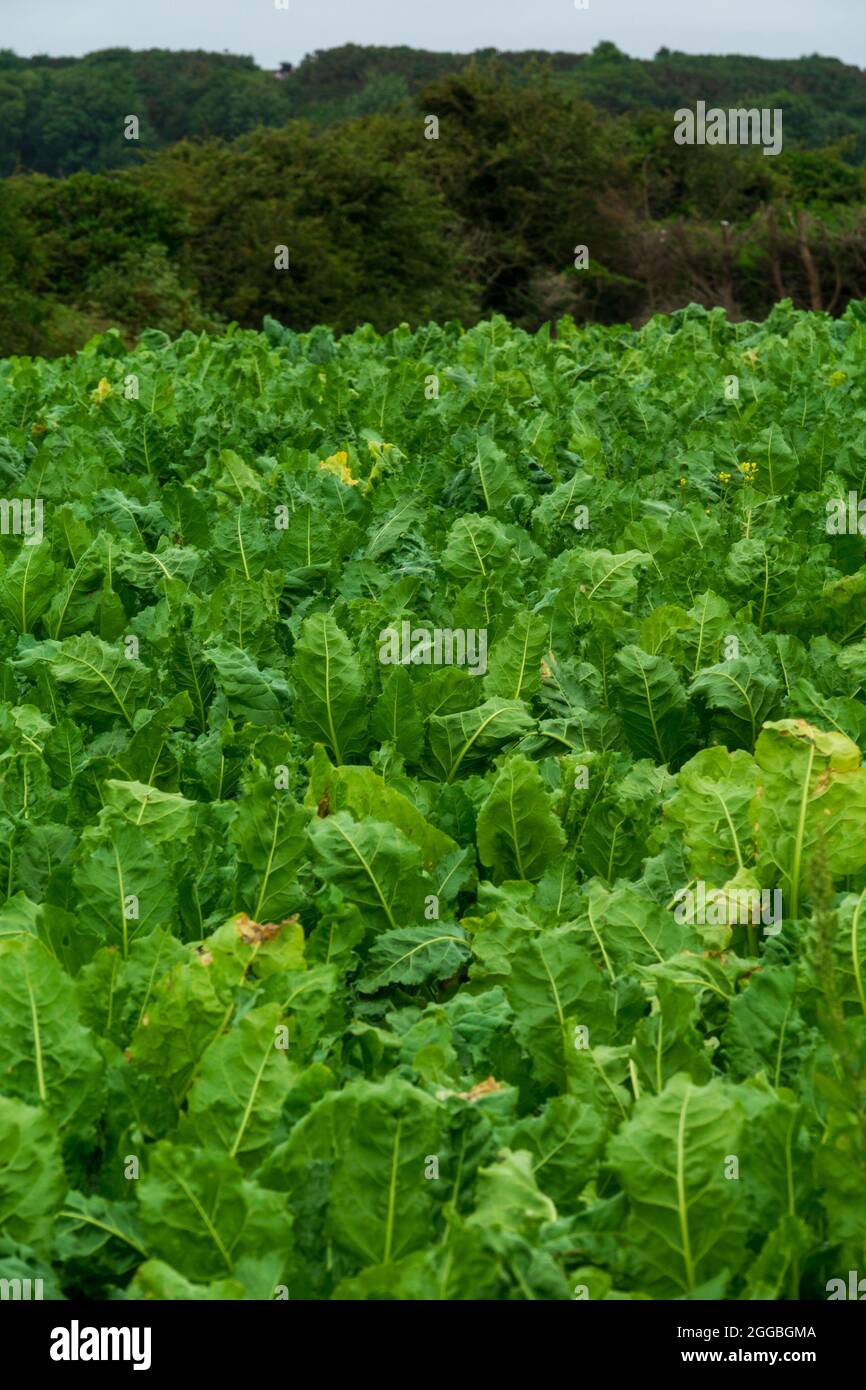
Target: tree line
x=382, y=224
x=64, y=115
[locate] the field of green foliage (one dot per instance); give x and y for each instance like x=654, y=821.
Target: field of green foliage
x=432, y=820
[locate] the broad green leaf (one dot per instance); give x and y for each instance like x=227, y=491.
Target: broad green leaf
x=497, y=479
x=376, y=1137
x=202, y=1217
x=565, y=1140
x=165, y=816
x=603, y=582
x=810, y=804
x=711, y=808
x=396, y=718
x=269, y=832
x=253, y=694
x=652, y=704
x=373, y=864
x=414, y=955
x=741, y=694
x=668, y=1041
x=623, y=929
x=509, y=1197
x=711, y=621
x=686, y=1222
x=477, y=547
x=98, y=1240
x=364, y=794
x=765, y=1031
x=123, y=883
x=774, y=1274
x=555, y=987
x=458, y=740
x=518, y=834
x=238, y=1093
x=157, y=1280
x=32, y=1180
x=27, y=587
x=92, y=677
x=461, y=1267
x=46, y=1057
x=331, y=698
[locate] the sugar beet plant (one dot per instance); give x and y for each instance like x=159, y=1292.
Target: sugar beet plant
x=433, y=822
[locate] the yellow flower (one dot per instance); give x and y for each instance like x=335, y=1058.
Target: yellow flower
x=682, y=482
x=103, y=389
x=837, y=378
x=724, y=477
x=338, y=464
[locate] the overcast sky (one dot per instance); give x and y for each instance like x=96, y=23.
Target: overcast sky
x=771, y=28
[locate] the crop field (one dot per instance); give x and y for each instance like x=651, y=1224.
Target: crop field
x=432, y=820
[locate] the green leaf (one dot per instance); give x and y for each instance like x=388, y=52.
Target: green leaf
x=414, y=956
x=565, y=1140
x=156, y=1280
x=365, y=794
x=236, y=1099
x=741, y=693
x=810, y=803
x=373, y=865
x=123, y=883
x=711, y=808
x=255, y=695
x=498, y=481
x=27, y=587
x=165, y=816
x=554, y=987
x=32, y=1180
x=477, y=547
x=652, y=704
x=509, y=1198
x=183, y=1013
x=46, y=1057
x=270, y=834
x=332, y=703
x=458, y=739
x=622, y=929
x=765, y=1031
x=668, y=1041
x=98, y=1240
x=377, y=1137
x=95, y=679
x=518, y=834
x=202, y=1217
x=396, y=718
x=685, y=1222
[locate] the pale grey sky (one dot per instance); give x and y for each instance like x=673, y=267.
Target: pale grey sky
x=770, y=28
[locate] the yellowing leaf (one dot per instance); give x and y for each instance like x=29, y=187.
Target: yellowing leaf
x=338, y=465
